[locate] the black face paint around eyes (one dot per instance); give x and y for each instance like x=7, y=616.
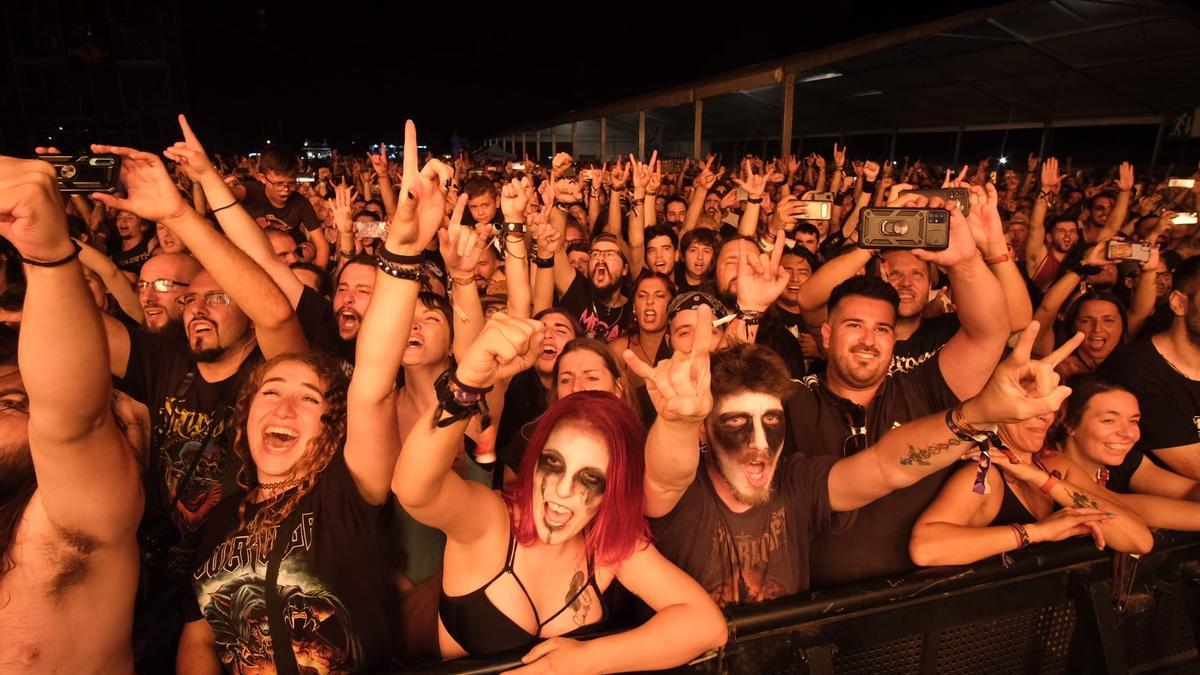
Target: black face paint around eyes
x=593, y=486
x=550, y=464
x=734, y=438
x=774, y=433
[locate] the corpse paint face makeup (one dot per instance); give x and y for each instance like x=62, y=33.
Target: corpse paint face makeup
x=747, y=433
x=570, y=482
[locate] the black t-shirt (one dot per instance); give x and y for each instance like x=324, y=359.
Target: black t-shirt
x=296, y=213
x=133, y=259
x=927, y=340
x=315, y=312
x=773, y=332
x=524, y=400
x=1170, y=402
x=335, y=583
x=598, y=319
x=681, y=282
x=820, y=423
x=1120, y=476
x=763, y=553
x=180, y=425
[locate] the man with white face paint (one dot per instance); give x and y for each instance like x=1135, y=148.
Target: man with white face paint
x=737, y=514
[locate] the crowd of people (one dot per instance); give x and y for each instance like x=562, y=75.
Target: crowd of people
x=272, y=415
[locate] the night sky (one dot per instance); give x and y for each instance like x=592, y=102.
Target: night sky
x=351, y=73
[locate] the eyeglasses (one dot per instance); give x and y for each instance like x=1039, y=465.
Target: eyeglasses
x=606, y=255
x=213, y=299
x=160, y=285
x=282, y=183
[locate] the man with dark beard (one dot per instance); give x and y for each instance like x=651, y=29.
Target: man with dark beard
x=738, y=514
x=596, y=301
x=329, y=326
x=190, y=390
x=163, y=279
x=1163, y=371
x=70, y=497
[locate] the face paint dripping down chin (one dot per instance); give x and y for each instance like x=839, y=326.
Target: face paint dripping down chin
x=568, y=486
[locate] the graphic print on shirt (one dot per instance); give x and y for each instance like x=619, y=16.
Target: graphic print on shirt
x=600, y=329
x=233, y=599
x=182, y=433
x=741, y=571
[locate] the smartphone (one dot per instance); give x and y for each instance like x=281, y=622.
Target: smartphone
x=904, y=228
x=1128, y=250
x=822, y=196
x=86, y=173
x=306, y=179
x=518, y=166
x=1188, y=218
x=958, y=195
x=370, y=229
x=1188, y=183
x=815, y=209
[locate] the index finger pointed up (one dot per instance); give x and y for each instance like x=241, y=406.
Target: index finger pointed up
x=411, y=165
x=1058, y=355
x=777, y=253
x=1024, y=346
x=702, y=342
x=189, y=136
x=653, y=159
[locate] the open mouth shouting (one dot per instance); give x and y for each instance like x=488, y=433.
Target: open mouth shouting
x=154, y=313
x=555, y=516
x=201, y=328
x=279, y=440
x=348, y=321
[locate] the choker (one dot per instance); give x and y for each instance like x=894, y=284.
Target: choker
x=278, y=484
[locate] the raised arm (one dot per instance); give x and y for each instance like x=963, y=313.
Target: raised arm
x=971, y=353
x=754, y=185
x=549, y=240
x=988, y=229
x=460, y=246
x=679, y=387
x=153, y=196
x=115, y=282
x=386, y=192
x=700, y=188
x=235, y=221
x=1141, y=306
x=514, y=200
x=922, y=447
x=1116, y=217
x=1035, y=247
x=87, y=476
x=424, y=480
x=566, y=191
x=372, y=436
x=642, y=209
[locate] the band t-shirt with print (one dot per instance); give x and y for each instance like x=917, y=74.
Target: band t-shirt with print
x=180, y=428
x=757, y=555
x=295, y=214
x=334, y=586
x=598, y=319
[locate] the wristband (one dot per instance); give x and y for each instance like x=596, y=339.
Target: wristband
x=868, y=186
x=514, y=228
x=1049, y=484
x=406, y=273
x=463, y=281
x=233, y=203
x=996, y=260
x=459, y=401
x=544, y=263
x=398, y=259
x=754, y=200
x=1084, y=270
x=750, y=317
x=54, y=263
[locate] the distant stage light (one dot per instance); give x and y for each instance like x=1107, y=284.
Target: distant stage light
x=1003, y=159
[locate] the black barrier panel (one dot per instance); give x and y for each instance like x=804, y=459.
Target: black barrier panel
x=1051, y=612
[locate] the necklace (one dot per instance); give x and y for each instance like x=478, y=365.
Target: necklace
x=278, y=484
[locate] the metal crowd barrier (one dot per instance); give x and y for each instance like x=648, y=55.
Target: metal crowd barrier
x=1054, y=610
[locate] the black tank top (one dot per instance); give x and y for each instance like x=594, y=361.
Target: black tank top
x=1011, y=509
x=480, y=628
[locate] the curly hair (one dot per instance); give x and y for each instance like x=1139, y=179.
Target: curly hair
x=320, y=451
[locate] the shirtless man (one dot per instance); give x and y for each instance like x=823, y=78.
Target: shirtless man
x=72, y=496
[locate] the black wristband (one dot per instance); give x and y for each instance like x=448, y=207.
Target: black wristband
x=754, y=200
x=868, y=186
x=407, y=273
x=514, y=228
x=230, y=204
x=544, y=263
x=398, y=259
x=54, y=263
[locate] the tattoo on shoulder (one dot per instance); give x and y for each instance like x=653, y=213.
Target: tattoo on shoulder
x=921, y=456
x=578, y=596
x=1082, y=501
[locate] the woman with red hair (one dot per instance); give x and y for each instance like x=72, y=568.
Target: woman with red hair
x=531, y=564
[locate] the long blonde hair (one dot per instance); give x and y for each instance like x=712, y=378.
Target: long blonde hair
x=320, y=451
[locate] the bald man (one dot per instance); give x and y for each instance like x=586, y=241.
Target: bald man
x=163, y=279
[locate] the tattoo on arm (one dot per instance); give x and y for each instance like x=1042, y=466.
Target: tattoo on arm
x=921, y=456
x=1081, y=501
